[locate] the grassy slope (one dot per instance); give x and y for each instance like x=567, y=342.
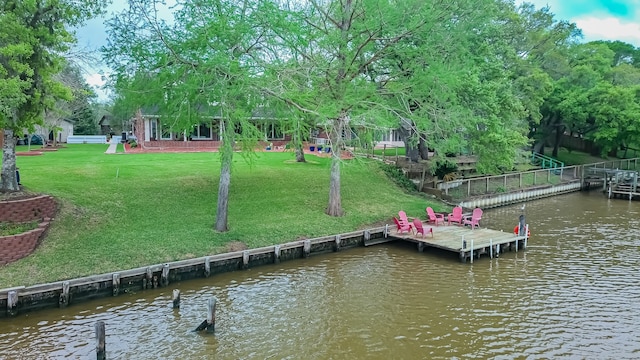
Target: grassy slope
x=129, y=210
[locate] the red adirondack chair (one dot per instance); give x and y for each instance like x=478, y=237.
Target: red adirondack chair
x=433, y=217
x=417, y=224
x=474, y=219
x=456, y=215
x=400, y=227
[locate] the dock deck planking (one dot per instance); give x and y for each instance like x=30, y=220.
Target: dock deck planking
x=450, y=238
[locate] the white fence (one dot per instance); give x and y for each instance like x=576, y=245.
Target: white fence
x=87, y=139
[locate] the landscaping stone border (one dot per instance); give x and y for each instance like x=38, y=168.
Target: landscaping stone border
x=41, y=208
x=15, y=247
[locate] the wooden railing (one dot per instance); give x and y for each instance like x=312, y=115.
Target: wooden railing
x=467, y=188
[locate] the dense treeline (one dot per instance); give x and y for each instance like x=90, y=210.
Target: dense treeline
x=479, y=76
x=455, y=76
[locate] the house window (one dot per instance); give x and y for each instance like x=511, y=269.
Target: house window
x=396, y=135
x=153, y=131
x=215, y=130
x=201, y=132
x=272, y=130
x=165, y=132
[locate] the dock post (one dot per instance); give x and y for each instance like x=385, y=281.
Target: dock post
x=276, y=254
x=490, y=248
x=526, y=237
x=12, y=303
x=521, y=226
x=336, y=246
x=101, y=353
x=471, y=251
x=115, y=283
x=386, y=230
x=164, y=281
x=517, y=241
x=176, y=298
x=64, y=295
x=420, y=246
x=210, y=323
x=147, y=282
x=306, y=248
x=207, y=266
x=245, y=259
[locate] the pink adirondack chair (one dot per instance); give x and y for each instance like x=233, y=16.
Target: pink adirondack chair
x=402, y=216
x=433, y=217
x=400, y=227
x=455, y=216
x=474, y=219
x=417, y=224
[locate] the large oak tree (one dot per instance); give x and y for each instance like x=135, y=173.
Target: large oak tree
x=33, y=40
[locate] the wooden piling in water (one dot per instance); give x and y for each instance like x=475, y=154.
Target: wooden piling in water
x=336, y=245
x=12, y=302
x=115, y=283
x=471, y=257
x=147, y=282
x=276, y=254
x=63, y=301
x=176, y=298
x=207, y=266
x=306, y=248
x=245, y=259
x=164, y=281
x=522, y=231
x=101, y=353
x=210, y=323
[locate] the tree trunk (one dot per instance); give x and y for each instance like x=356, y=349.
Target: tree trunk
x=299, y=146
x=424, y=150
x=300, y=154
x=412, y=152
x=558, y=140
x=226, y=159
x=335, y=198
x=9, y=180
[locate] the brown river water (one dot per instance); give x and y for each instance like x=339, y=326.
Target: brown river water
x=573, y=294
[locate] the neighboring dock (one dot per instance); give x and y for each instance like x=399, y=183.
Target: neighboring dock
x=467, y=243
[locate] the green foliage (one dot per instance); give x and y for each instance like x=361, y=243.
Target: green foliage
x=443, y=168
x=33, y=39
x=8, y=228
x=397, y=176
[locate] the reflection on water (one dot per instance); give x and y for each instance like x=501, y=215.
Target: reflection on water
x=572, y=294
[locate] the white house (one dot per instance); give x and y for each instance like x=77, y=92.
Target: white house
x=65, y=129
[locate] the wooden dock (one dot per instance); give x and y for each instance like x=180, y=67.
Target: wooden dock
x=467, y=243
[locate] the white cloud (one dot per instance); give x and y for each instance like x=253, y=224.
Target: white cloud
x=609, y=28
x=97, y=81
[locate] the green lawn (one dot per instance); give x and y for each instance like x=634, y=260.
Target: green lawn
x=123, y=211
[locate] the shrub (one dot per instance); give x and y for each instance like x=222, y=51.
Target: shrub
x=444, y=168
x=398, y=177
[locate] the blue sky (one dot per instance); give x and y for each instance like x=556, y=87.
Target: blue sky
x=598, y=19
